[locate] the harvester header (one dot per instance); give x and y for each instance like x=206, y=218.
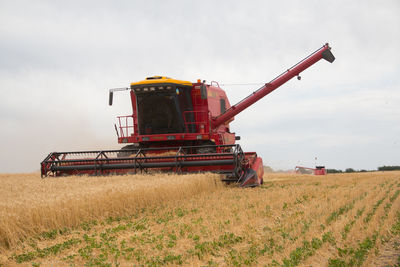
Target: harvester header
x=179, y=126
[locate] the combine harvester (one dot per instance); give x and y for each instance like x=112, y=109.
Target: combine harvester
x=178, y=126
x=319, y=170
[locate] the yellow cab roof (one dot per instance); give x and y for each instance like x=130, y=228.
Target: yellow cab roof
x=161, y=79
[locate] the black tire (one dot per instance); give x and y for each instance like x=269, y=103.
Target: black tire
x=207, y=150
x=126, y=154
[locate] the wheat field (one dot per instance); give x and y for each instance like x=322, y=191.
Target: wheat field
x=194, y=220
x=30, y=205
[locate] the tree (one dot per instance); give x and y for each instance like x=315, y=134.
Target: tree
x=389, y=168
x=333, y=171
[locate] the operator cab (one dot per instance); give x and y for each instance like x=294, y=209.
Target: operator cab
x=161, y=103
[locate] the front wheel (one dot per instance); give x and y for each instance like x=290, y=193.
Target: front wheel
x=129, y=151
x=207, y=148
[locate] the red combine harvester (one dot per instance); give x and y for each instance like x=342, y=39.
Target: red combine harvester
x=319, y=170
x=178, y=126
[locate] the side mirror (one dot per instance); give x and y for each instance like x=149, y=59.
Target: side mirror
x=110, y=98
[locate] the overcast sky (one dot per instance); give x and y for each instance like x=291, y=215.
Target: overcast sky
x=59, y=58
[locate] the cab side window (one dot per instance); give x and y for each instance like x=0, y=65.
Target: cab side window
x=222, y=105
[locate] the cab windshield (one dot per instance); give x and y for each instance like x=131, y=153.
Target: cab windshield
x=162, y=112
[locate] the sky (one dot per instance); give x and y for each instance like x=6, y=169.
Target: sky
x=59, y=58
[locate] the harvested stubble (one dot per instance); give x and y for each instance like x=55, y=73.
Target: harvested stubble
x=30, y=205
x=291, y=220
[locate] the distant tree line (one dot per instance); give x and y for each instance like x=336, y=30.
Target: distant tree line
x=333, y=171
x=389, y=168
x=350, y=170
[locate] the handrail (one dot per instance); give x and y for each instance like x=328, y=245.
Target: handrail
x=126, y=129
